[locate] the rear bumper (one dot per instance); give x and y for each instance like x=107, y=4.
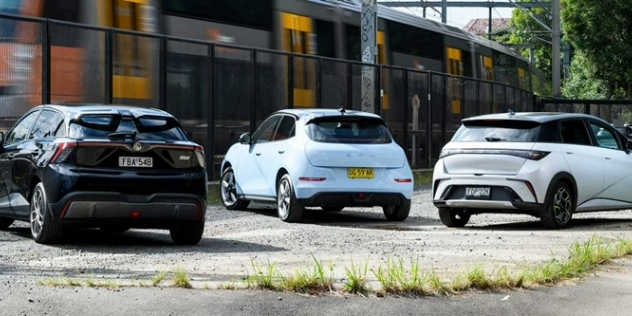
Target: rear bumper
x=351, y=199
x=155, y=210
x=490, y=206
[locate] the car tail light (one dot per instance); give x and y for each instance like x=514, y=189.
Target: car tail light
x=199, y=154
x=312, y=179
x=406, y=180
x=63, y=151
x=527, y=154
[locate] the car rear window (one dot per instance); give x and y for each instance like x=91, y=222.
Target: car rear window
x=498, y=131
x=349, y=130
x=146, y=127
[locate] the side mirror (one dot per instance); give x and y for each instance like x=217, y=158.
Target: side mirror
x=1, y=138
x=245, y=139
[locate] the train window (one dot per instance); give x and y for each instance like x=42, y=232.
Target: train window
x=64, y=10
x=255, y=14
x=415, y=41
x=352, y=37
x=325, y=38
x=8, y=26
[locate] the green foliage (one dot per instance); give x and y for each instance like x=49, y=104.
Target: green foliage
x=526, y=30
x=601, y=30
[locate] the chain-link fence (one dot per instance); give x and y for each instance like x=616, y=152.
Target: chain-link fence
x=228, y=88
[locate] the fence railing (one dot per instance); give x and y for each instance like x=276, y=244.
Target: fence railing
x=220, y=91
x=617, y=112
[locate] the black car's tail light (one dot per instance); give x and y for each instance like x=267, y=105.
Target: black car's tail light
x=199, y=154
x=63, y=152
x=527, y=154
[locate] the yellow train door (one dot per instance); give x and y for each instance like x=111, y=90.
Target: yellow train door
x=298, y=37
x=132, y=56
x=455, y=67
x=382, y=59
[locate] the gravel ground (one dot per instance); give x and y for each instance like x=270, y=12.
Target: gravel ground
x=233, y=239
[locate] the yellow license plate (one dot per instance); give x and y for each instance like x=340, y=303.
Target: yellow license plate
x=361, y=173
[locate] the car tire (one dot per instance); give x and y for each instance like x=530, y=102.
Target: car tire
x=5, y=222
x=559, y=207
x=44, y=228
x=396, y=213
x=453, y=217
x=332, y=209
x=288, y=208
x=114, y=229
x=187, y=234
x=228, y=192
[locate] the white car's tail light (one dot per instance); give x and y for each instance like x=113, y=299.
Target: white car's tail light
x=527, y=154
x=311, y=179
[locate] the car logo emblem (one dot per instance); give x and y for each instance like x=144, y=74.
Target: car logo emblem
x=138, y=146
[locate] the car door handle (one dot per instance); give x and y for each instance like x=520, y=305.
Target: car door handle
x=258, y=154
x=570, y=152
x=281, y=151
x=608, y=158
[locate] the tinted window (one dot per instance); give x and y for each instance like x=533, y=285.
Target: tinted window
x=605, y=138
x=147, y=127
x=20, y=131
x=46, y=124
x=498, y=131
x=285, y=129
x=414, y=41
x=574, y=132
x=257, y=14
x=264, y=132
x=349, y=130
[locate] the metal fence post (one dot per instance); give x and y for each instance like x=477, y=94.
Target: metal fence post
x=290, y=82
x=349, y=85
x=478, y=97
x=405, y=114
x=163, y=50
x=109, y=67
x=319, y=83
x=429, y=122
x=253, y=92
x=46, y=64
x=444, y=109
x=210, y=115
x=378, y=91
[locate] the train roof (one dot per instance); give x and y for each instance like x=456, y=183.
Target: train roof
x=424, y=23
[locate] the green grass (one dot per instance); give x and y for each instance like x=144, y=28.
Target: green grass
x=422, y=177
x=395, y=277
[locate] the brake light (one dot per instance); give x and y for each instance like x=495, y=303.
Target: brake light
x=527, y=154
x=63, y=151
x=403, y=180
x=199, y=154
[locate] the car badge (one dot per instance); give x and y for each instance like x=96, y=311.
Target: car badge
x=138, y=146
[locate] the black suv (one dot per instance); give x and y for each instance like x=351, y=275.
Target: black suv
x=112, y=167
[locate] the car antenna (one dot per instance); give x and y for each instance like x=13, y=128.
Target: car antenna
x=342, y=110
x=511, y=112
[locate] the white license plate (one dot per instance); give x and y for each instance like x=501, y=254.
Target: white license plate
x=144, y=162
x=477, y=192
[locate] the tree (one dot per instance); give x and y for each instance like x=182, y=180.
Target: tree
x=602, y=32
x=526, y=30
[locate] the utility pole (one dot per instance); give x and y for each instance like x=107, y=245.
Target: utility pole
x=444, y=11
x=556, y=49
x=368, y=26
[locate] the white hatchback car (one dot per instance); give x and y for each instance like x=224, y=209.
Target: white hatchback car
x=549, y=165
x=323, y=158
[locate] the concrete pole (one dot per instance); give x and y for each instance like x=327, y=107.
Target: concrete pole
x=444, y=11
x=556, y=49
x=368, y=29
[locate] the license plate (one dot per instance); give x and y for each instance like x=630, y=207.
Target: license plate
x=360, y=173
x=477, y=192
x=145, y=162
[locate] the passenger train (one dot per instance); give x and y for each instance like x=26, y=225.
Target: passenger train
x=325, y=28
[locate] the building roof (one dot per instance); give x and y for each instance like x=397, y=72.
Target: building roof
x=480, y=26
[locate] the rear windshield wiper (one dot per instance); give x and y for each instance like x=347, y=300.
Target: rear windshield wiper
x=494, y=139
x=130, y=134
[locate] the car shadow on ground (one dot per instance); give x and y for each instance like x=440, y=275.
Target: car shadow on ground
x=144, y=241
x=351, y=218
x=577, y=224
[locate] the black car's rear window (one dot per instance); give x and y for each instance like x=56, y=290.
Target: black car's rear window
x=146, y=127
x=498, y=130
x=349, y=130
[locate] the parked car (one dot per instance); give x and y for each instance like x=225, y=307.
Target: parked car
x=549, y=165
x=318, y=158
x=113, y=167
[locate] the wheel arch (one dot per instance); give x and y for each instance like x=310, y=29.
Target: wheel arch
x=568, y=179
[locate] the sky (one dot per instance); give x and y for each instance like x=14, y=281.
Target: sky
x=459, y=16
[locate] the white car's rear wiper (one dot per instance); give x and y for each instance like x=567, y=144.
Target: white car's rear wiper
x=494, y=139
